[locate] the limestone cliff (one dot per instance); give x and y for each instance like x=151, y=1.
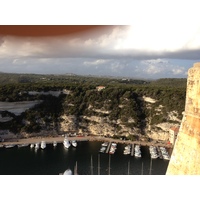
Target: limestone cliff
x=185, y=159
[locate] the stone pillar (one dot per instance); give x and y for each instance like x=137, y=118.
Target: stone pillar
x=185, y=157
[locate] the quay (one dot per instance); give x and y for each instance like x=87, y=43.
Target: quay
x=141, y=143
x=60, y=139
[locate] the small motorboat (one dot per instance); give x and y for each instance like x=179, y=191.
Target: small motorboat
x=43, y=144
x=74, y=143
x=54, y=143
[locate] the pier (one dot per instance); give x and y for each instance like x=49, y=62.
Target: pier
x=132, y=150
x=107, y=150
x=159, y=153
x=60, y=139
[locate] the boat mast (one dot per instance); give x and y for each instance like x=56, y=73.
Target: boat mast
x=98, y=164
x=142, y=169
x=129, y=167
x=91, y=166
x=75, y=169
x=150, y=167
x=109, y=166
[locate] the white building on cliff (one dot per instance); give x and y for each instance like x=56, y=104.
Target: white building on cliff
x=173, y=132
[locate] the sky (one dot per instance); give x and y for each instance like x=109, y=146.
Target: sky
x=157, y=39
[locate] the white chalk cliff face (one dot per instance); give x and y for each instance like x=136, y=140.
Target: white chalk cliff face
x=96, y=125
x=185, y=159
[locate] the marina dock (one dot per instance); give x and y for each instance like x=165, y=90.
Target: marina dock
x=59, y=139
x=132, y=150
x=108, y=148
x=159, y=153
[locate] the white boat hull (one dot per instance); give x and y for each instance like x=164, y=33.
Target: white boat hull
x=74, y=143
x=9, y=146
x=54, y=143
x=43, y=145
x=66, y=143
x=37, y=146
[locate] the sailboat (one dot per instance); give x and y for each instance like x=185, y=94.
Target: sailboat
x=98, y=164
x=67, y=172
x=66, y=143
x=109, y=165
x=150, y=167
x=142, y=169
x=91, y=166
x=54, y=143
x=43, y=144
x=129, y=167
x=76, y=169
x=74, y=143
x=37, y=146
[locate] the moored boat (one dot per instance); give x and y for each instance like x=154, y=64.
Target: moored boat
x=32, y=145
x=105, y=144
x=66, y=142
x=102, y=149
x=67, y=172
x=43, y=144
x=159, y=153
x=137, y=151
x=153, y=152
x=113, y=148
x=22, y=145
x=74, y=143
x=9, y=146
x=54, y=143
x=127, y=150
x=164, y=153
x=37, y=146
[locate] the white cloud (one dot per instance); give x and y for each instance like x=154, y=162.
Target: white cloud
x=96, y=62
x=179, y=70
x=160, y=31
x=162, y=68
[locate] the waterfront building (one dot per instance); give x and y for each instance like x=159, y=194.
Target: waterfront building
x=173, y=132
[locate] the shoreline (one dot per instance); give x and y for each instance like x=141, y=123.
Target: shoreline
x=59, y=139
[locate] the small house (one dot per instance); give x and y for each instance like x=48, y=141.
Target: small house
x=99, y=88
x=173, y=131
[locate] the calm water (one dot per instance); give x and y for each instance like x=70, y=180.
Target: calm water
x=55, y=160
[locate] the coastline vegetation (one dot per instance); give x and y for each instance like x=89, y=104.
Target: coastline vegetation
x=122, y=99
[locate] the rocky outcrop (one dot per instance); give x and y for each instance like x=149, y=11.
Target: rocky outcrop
x=96, y=125
x=68, y=123
x=185, y=157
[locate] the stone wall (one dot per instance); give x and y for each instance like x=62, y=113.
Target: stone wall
x=185, y=157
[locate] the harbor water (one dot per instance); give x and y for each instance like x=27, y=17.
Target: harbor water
x=55, y=160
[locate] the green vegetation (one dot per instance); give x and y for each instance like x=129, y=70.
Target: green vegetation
x=122, y=99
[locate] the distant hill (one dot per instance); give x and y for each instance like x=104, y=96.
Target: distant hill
x=173, y=82
x=9, y=78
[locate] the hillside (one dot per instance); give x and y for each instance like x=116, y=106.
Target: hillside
x=56, y=104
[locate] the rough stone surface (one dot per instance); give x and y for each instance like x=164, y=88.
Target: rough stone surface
x=185, y=159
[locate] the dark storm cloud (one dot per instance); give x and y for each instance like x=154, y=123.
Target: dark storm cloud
x=116, y=53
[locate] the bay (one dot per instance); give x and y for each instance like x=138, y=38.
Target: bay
x=55, y=160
